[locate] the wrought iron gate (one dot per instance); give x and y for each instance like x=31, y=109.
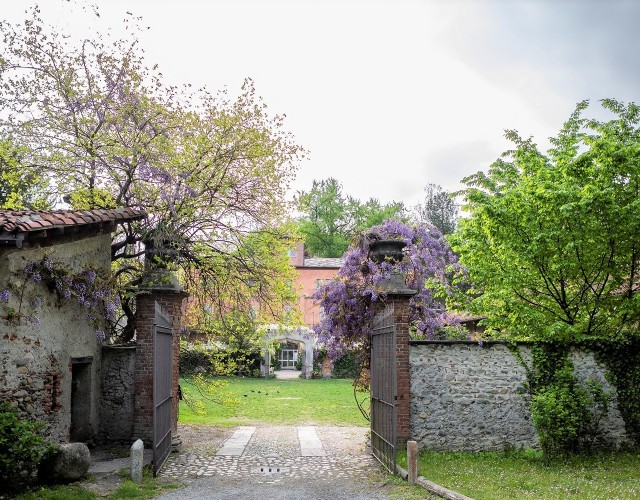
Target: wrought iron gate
x=162, y=382
x=384, y=388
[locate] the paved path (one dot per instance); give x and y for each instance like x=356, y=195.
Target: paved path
x=301, y=462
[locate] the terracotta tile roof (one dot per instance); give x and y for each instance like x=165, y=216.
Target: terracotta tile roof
x=323, y=262
x=25, y=221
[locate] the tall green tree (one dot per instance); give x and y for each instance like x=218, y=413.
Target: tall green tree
x=106, y=130
x=20, y=187
x=551, y=241
x=439, y=209
x=330, y=219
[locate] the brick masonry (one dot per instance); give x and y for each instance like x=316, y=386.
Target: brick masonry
x=171, y=302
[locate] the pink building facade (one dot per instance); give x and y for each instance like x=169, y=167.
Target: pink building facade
x=313, y=272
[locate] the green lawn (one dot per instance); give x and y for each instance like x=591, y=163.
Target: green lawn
x=523, y=474
x=284, y=402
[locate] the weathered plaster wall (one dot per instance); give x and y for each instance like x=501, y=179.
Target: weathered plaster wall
x=35, y=360
x=470, y=397
x=117, y=409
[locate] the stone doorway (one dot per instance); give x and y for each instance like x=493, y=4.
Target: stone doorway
x=81, y=430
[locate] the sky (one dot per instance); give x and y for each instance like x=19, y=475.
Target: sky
x=388, y=96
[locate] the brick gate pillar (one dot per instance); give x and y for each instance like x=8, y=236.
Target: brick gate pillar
x=399, y=295
x=170, y=295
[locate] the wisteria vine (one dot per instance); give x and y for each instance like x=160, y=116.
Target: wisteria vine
x=91, y=288
x=348, y=302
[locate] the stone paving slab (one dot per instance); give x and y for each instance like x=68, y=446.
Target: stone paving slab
x=236, y=444
x=310, y=444
x=276, y=453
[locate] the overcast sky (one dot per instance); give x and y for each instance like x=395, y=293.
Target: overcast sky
x=390, y=95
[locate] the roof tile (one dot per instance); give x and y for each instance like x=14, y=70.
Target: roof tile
x=21, y=221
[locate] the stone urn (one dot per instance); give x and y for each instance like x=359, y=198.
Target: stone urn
x=386, y=250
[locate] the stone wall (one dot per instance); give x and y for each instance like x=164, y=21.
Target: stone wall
x=470, y=397
x=117, y=409
x=38, y=356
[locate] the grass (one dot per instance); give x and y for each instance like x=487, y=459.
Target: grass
x=148, y=488
x=284, y=402
x=523, y=474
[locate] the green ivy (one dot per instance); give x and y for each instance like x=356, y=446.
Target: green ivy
x=622, y=360
x=566, y=414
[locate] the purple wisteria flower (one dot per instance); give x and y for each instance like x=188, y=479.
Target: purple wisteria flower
x=48, y=264
x=5, y=295
x=348, y=301
x=37, y=302
x=32, y=320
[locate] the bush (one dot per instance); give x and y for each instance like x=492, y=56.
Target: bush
x=22, y=448
x=346, y=366
x=210, y=359
x=567, y=416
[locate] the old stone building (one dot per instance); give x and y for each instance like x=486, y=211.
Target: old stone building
x=50, y=350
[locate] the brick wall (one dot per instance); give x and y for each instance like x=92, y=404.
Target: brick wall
x=171, y=302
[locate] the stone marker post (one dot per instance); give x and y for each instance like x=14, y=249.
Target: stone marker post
x=137, y=461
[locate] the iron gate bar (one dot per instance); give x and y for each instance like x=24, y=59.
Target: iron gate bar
x=162, y=385
x=384, y=411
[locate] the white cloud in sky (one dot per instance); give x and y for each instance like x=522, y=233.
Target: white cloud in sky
x=390, y=95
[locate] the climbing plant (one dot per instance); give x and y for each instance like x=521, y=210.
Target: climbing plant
x=91, y=287
x=566, y=413
x=622, y=360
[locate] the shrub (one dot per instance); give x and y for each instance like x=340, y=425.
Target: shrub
x=212, y=360
x=346, y=366
x=567, y=416
x=22, y=448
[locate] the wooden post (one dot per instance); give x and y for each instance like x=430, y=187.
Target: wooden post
x=412, y=461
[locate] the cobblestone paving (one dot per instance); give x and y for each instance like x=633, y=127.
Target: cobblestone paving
x=273, y=455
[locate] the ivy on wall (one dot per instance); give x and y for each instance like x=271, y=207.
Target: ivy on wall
x=622, y=360
x=566, y=413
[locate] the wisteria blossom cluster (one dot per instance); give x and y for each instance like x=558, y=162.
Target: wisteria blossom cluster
x=349, y=301
x=91, y=288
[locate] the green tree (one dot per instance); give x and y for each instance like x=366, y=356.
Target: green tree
x=20, y=187
x=108, y=132
x=331, y=219
x=438, y=209
x=551, y=241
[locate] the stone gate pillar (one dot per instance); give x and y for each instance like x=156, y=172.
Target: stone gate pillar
x=170, y=295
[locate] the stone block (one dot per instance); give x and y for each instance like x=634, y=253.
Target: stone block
x=70, y=463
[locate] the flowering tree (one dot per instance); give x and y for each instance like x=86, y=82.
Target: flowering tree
x=349, y=301
x=210, y=171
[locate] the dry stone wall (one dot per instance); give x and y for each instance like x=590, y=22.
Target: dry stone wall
x=471, y=397
x=118, y=364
